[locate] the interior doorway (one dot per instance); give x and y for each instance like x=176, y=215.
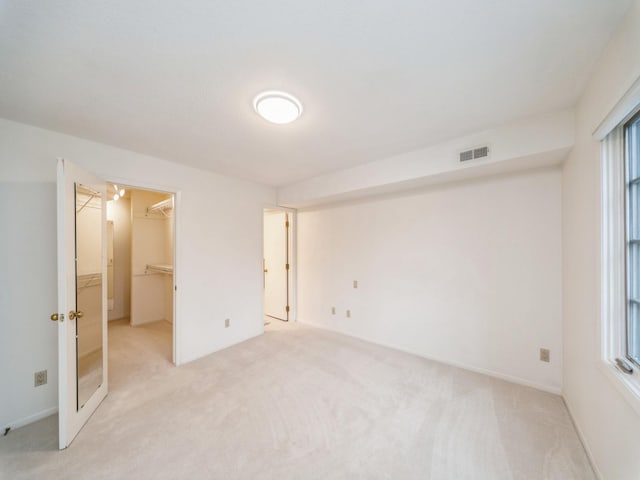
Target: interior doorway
x=90, y=292
x=277, y=265
x=140, y=264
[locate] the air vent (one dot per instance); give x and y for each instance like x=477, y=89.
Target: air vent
x=474, y=153
x=480, y=152
x=465, y=156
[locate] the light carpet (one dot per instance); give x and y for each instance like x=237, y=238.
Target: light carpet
x=301, y=403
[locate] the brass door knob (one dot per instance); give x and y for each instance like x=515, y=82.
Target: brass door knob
x=73, y=315
x=57, y=316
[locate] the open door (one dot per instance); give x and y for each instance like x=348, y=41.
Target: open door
x=82, y=297
x=276, y=264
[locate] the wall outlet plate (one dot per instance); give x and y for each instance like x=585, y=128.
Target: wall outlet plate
x=545, y=355
x=40, y=378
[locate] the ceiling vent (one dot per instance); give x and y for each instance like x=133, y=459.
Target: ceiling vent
x=474, y=153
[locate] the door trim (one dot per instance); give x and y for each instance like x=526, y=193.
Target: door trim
x=177, y=249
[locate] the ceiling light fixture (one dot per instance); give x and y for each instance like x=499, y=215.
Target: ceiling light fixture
x=277, y=107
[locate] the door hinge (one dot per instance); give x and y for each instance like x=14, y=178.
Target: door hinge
x=287, y=308
x=286, y=266
x=286, y=224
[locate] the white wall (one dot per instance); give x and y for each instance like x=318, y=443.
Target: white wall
x=528, y=143
x=609, y=425
x=150, y=245
x=120, y=213
x=467, y=273
x=28, y=341
x=220, y=255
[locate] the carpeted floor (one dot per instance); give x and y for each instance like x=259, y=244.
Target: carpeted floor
x=301, y=403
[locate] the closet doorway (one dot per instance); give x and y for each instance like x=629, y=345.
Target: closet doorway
x=140, y=273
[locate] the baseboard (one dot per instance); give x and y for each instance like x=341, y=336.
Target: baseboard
x=471, y=368
x=21, y=422
x=583, y=440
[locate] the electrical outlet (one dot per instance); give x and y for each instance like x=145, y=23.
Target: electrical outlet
x=40, y=378
x=227, y=322
x=348, y=313
x=355, y=284
x=333, y=310
x=544, y=355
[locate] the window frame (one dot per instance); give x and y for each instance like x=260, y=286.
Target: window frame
x=635, y=118
x=614, y=261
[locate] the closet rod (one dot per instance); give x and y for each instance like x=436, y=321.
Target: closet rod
x=163, y=207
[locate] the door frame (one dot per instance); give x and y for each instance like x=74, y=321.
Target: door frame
x=293, y=260
x=177, y=244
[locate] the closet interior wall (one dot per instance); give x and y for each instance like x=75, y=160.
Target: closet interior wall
x=151, y=258
x=119, y=213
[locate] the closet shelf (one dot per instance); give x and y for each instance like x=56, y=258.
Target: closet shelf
x=88, y=280
x=168, y=269
x=164, y=207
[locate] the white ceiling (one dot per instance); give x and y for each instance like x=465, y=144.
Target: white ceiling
x=377, y=78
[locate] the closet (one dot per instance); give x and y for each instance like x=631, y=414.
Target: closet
x=140, y=256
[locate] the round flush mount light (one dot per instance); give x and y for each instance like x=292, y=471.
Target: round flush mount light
x=277, y=107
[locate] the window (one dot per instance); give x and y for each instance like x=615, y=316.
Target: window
x=632, y=204
x=619, y=134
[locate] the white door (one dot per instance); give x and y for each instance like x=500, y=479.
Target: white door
x=276, y=265
x=82, y=307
